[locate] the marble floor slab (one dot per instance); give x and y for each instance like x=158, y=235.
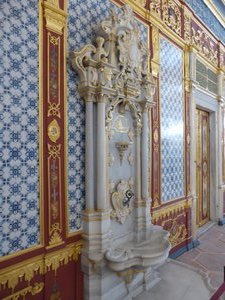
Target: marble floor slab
x=209, y=256
x=179, y=282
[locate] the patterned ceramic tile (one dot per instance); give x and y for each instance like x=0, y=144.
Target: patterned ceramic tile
x=84, y=17
x=19, y=195
x=172, y=123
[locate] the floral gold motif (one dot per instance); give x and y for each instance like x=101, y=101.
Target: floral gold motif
x=188, y=138
x=155, y=59
x=178, y=232
x=54, y=151
x=187, y=28
x=54, y=109
x=141, y=2
x=172, y=15
x=54, y=40
x=173, y=208
x=55, y=234
x=33, y=290
x=156, y=136
x=62, y=257
x=41, y=264
x=155, y=6
x=54, y=131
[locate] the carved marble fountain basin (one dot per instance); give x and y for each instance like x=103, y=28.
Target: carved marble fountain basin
x=150, y=252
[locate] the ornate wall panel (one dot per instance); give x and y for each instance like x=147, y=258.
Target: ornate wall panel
x=82, y=21
x=172, y=121
x=176, y=219
x=19, y=199
x=204, y=13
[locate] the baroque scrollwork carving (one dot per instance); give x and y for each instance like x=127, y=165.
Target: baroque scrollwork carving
x=117, y=67
x=122, y=200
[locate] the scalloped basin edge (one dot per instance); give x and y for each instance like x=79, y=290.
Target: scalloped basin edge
x=154, y=250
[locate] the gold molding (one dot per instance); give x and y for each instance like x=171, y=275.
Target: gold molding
x=172, y=208
x=142, y=3
x=41, y=116
x=41, y=264
x=12, y=275
x=61, y=257
x=186, y=70
x=155, y=44
x=33, y=290
x=54, y=16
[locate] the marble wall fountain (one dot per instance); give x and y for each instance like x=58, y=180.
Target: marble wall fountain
x=122, y=248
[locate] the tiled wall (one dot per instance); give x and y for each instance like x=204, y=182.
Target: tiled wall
x=172, y=121
x=19, y=193
x=84, y=17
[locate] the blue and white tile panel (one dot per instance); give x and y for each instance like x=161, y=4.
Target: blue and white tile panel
x=172, y=121
x=84, y=17
x=19, y=169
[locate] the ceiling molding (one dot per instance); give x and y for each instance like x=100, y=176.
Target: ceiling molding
x=217, y=13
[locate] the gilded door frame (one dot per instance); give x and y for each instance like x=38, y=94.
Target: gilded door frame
x=202, y=166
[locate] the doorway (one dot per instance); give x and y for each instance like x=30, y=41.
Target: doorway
x=202, y=167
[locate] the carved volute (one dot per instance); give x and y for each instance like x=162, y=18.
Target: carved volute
x=117, y=66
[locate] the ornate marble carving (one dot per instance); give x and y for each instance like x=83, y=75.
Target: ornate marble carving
x=131, y=135
x=130, y=78
x=122, y=200
x=118, y=89
x=120, y=124
x=130, y=159
x=122, y=148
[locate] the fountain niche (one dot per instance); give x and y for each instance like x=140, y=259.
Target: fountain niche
x=122, y=248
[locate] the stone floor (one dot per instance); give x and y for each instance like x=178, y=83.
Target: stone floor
x=178, y=282
x=209, y=256
x=196, y=274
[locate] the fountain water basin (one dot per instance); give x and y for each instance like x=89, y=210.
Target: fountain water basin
x=150, y=252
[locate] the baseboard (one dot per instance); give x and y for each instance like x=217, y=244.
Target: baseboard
x=221, y=222
x=182, y=250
